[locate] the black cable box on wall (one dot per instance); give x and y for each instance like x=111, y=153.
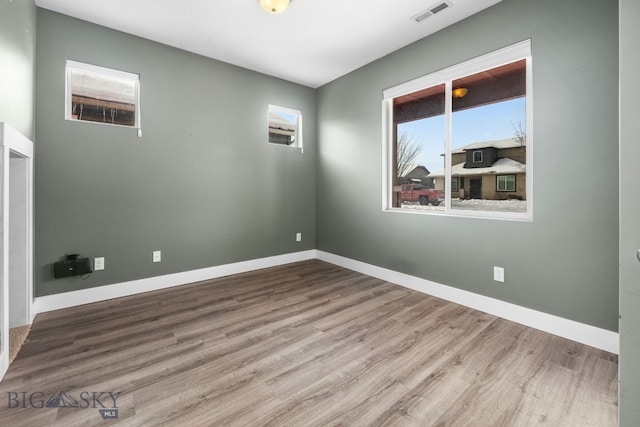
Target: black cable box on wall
x=73, y=265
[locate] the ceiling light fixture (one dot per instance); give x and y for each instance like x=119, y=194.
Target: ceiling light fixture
x=459, y=92
x=275, y=6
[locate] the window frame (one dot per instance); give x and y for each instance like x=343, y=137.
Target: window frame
x=110, y=72
x=474, y=156
x=506, y=182
x=455, y=187
x=509, y=54
x=272, y=108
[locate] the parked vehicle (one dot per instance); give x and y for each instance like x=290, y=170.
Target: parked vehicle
x=424, y=196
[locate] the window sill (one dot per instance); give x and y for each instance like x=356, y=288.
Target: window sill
x=460, y=213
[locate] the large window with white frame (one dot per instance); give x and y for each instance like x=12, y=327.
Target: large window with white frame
x=458, y=141
x=102, y=95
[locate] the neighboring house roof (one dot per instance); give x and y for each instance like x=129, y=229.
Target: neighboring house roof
x=412, y=169
x=278, y=124
x=104, y=88
x=500, y=167
x=416, y=170
x=500, y=144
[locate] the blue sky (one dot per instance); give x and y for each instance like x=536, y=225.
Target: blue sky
x=287, y=116
x=489, y=122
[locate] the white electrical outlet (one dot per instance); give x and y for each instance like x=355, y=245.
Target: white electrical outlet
x=298, y=237
x=498, y=274
x=98, y=264
x=157, y=256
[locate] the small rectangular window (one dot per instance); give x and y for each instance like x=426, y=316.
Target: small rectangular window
x=477, y=157
x=285, y=126
x=102, y=95
x=507, y=183
x=454, y=184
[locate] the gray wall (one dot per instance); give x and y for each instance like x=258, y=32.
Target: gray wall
x=17, y=64
x=202, y=185
x=102, y=191
x=629, y=213
x=564, y=262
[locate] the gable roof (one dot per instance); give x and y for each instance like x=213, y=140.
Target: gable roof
x=500, y=167
x=500, y=144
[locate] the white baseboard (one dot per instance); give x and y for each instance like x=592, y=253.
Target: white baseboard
x=102, y=293
x=575, y=331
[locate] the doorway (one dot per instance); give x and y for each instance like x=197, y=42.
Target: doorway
x=475, y=188
x=16, y=231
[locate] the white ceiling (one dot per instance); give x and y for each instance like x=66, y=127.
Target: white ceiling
x=311, y=43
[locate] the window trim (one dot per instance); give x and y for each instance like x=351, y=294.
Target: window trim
x=455, y=187
x=474, y=156
x=70, y=65
x=506, y=182
x=272, y=108
x=506, y=55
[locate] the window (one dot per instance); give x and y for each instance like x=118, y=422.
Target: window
x=102, y=95
x=454, y=184
x=285, y=126
x=507, y=183
x=471, y=121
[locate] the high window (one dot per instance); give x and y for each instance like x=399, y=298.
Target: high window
x=285, y=126
x=468, y=128
x=102, y=95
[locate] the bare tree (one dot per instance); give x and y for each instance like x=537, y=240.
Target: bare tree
x=407, y=151
x=519, y=134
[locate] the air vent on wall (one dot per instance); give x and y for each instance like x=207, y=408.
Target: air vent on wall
x=431, y=11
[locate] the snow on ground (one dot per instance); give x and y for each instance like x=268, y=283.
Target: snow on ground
x=476, y=205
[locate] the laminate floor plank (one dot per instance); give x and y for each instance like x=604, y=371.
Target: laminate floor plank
x=305, y=344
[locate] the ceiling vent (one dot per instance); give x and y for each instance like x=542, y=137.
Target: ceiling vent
x=431, y=11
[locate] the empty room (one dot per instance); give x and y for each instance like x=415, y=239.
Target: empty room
x=319, y=213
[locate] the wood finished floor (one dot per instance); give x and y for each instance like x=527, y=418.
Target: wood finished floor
x=308, y=344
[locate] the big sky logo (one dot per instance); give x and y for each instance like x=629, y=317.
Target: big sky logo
x=105, y=401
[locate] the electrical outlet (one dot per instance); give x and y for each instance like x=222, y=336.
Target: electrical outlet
x=498, y=274
x=298, y=237
x=157, y=256
x=98, y=264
